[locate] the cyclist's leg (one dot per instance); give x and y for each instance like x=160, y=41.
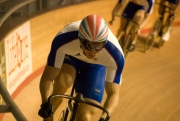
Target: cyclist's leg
x=161, y=8
x=138, y=18
x=86, y=112
x=170, y=21
x=123, y=23
x=175, y=7
x=64, y=80
x=90, y=82
x=128, y=13
x=134, y=12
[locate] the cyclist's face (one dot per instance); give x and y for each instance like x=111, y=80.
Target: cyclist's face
x=91, y=54
x=91, y=49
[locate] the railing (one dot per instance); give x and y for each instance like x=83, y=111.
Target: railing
x=16, y=7
x=10, y=104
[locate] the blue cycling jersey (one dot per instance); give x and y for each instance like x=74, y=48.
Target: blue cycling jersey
x=173, y=1
x=150, y=3
x=67, y=43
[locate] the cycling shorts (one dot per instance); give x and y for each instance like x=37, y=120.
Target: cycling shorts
x=90, y=78
x=173, y=1
x=131, y=9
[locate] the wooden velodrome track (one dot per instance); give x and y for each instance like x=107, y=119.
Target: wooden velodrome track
x=150, y=89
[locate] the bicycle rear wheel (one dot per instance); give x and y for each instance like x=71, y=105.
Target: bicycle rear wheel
x=161, y=43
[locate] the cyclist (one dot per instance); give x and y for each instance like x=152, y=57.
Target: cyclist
x=88, y=51
x=137, y=10
x=174, y=5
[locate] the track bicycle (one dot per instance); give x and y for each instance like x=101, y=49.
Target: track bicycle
x=125, y=37
x=158, y=29
x=73, y=103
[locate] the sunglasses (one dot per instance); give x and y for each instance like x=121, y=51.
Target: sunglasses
x=88, y=45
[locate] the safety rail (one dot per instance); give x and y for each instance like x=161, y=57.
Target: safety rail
x=10, y=104
x=13, y=9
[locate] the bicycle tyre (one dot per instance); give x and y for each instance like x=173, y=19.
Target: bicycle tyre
x=153, y=35
x=161, y=43
x=61, y=116
x=123, y=42
x=149, y=42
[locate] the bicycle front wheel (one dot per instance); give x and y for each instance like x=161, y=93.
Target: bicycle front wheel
x=161, y=43
x=123, y=41
x=149, y=43
x=153, y=35
x=126, y=45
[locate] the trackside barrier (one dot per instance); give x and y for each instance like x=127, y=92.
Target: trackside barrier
x=10, y=104
x=16, y=7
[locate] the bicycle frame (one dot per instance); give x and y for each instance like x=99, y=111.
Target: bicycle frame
x=158, y=29
x=125, y=36
x=77, y=100
x=166, y=9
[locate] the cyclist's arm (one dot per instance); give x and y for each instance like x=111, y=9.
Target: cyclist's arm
x=54, y=63
x=112, y=88
x=112, y=101
x=148, y=13
x=46, y=81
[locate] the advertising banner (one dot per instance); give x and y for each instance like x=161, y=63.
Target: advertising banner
x=18, y=56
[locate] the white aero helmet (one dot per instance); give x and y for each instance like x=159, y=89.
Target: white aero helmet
x=93, y=28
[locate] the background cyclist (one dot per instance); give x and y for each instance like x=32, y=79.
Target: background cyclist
x=174, y=5
x=88, y=51
x=136, y=10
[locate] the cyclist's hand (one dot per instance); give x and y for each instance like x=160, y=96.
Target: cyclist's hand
x=113, y=18
x=102, y=119
x=111, y=22
x=46, y=110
